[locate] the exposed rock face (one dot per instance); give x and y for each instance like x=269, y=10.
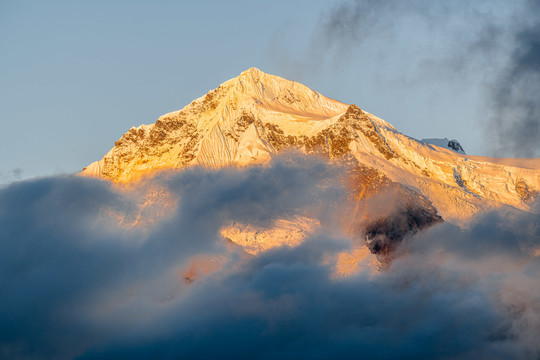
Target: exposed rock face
x=334, y=140
x=524, y=192
x=384, y=234
x=386, y=212
x=456, y=146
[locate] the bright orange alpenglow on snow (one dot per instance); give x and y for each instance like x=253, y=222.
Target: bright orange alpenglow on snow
x=255, y=115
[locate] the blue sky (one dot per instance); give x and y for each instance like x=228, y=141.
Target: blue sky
x=75, y=75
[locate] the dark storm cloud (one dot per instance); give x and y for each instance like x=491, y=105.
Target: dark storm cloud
x=516, y=93
x=470, y=42
x=64, y=249
x=438, y=300
x=75, y=282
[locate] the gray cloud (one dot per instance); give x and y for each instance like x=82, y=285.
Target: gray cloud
x=473, y=46
x=76, y=282
x=348, y=30
x=62, y=249
x=512, y=118
x=516, y=94
x=438, y=300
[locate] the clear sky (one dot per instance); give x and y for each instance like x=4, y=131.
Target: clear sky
x=76, y=75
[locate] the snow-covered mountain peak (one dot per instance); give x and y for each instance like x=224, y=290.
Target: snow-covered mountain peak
x=254, y=115
x=275, y=93
x=255, y=74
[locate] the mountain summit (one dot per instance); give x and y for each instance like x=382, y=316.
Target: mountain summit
x=248, y=118
x=227, y=125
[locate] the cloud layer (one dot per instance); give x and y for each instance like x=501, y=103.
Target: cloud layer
x=78, y=279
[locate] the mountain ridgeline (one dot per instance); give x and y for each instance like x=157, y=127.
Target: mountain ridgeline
x=248, y=118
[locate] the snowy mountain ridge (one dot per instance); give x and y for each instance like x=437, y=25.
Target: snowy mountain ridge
x=248, y=118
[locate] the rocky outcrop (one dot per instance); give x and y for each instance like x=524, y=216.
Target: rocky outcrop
x=456, y=146
x=386, y=212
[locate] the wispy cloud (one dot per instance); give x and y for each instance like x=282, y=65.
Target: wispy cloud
x=472, y=45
